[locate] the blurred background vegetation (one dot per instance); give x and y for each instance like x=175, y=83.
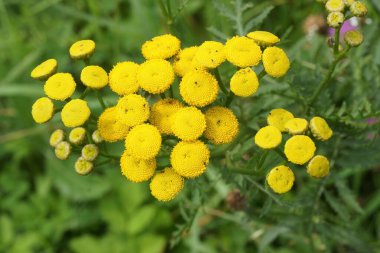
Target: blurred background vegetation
x=46, y=207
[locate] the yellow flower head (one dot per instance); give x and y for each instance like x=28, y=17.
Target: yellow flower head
x=278, y=118
x=96, y=137
x=281, y=179
x=143, y=141
x=166, y=184
x=60, y=86
x=155, y=76
x=335, y=19
x=296, y=126
x=77, y=135
x=94, y=77
x=209, y=55
x=334, y=5
x=358, y=9
x=161, y=113
x=132, y=110
x=222, y=125
x=44, y=70
x=161, y=47
x=348, y=3
x=299, y=149
x=83, y=167
x=136, y=170
x=183, y=61
x=320, y=129
x=75, y=113
x=110, y=128
x=199, y=88
x=318, y=167
x=90, y=152
x=190, y=159
x=276, y=62
x=263, y=38
x=123, y=78
x=268, y=137
x=42, y=110
x=244, y=83
x=62, y=150
x=82, y=49
x=353, y=38
x=56, y=137
x=242, y=52
x=188, y=123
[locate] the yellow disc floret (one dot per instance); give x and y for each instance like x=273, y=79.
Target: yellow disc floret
x=353, y=38
x=190, y=159
x=244, y=83
x=318, y=167
x=44, y=70
x=166, y=184
x=276, y=62
x=60, y=86
x=123, y=78
x=161, y=47
x=132, y=110
x=320, y=129
x=42, y=110
x=296, y=126
x=94, y=77
x=83, y=167
x=335, y=19
x=155, y=76
x=188, y=123
x=162, y=112
x=90, y=152
x=183, y=61
x=263, y=38
x=242, y=52
x=299, y=149
x=281, y=179
x=77, y=135
x=278, y=118
x=199, y=88
x=143, y=141
x=56, y=137
x=110, y=128
x=75, y=113
x=268, y=137
x=209, y=55
x=136, y=170
x=82, y=49
x=358, y=9
x=222, y=125
x=62, y=150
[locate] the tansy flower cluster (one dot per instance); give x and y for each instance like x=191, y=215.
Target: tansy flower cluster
x=299, y=147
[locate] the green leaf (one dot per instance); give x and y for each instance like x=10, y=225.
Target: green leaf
x=346, y=194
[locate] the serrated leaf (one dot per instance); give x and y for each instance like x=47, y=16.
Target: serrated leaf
x=346, y=194
x=255, y=22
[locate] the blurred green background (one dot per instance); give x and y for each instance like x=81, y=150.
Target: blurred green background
x=46, y=207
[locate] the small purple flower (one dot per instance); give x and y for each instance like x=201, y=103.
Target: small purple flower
x=348, y=25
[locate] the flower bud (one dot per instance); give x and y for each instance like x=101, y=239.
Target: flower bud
x=90, y=152
x=334, y=5
x=335, y=19
x=96, y=137
x=56, y=137
x=353, y=38
x=348, y=3
x=83, y=167
x=358, y=9
x=62, y=150
x=77, y=135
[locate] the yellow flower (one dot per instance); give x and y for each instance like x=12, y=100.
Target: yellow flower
x=353, y=38
x=110, y=128
x=281, y=179
x=299, y=149
x=335, y=19
x=242, y=52
x=209, y=55
x=161, y=47
x=56, y=137
x=318, y=167
x=335, y=5
x=96, y=137
x=268, y=137
x=60, y=86
x=188, y=123
x=42, y=110
x=263, y=38
x=94, y=77
x=62, y=150
x=161, y=113
x=82, y=49
x=77, y=135
x=276, y=62
x=166, y=184
x=189, y=159
x=123, y=78
x=358, y=9
x=199, y=88
x=296, y=126
x=90, y=152
x=320, y=129
x=278, y=118
x=44, y=70
x=222, y=125
x=83, y=167
x=143, y=141
x=136, y=170
x=155, y=76
x=183, y=61
x=244, y=83
x=75, y=113
x=132, y=110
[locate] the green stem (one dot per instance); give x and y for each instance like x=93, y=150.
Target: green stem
x=229, y=99
x=241, y=171
x=99, y=96
x=261, y=74
x=85, y=93
x=221, y=84
x=109, y=156
x=337, y=40
x=262, y=159
x=56, y=110
x=278, y=151
x=162, y=95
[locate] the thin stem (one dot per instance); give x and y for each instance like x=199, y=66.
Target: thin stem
x=278, y=151
x=221, y=84
x=171, y=91
x=265, y=191
x=109, y=156
x=261, y=74
x=262, y=159
x=99, y=96
x=56, y=110
x=337, y=40
x=229, y=99
x=85, y=93
x=162, y=95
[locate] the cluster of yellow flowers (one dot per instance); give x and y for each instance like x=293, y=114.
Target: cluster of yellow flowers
x=299, y=147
